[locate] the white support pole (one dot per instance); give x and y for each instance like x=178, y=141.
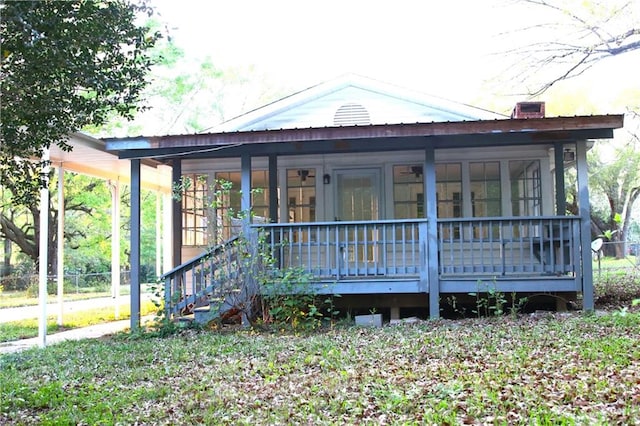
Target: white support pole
x=167, y=232
x=115, y=247
x=43, y=258
x=158, y=234
x=60, y=238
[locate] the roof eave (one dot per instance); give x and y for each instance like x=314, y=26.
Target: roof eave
x=480, y=127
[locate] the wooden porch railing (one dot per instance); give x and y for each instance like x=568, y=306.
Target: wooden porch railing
x=350, y=250
x=505, y=248
x=525, y=246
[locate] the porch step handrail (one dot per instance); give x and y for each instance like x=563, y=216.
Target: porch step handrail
x=198, y=274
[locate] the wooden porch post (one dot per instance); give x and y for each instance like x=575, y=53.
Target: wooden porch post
x=135, y=244
x=167, y=232
x=245, y=186
x=585, y=226
x=561, y=197
x=432, y=232
x=248, y=287
x=273, y=188
x=176, y=215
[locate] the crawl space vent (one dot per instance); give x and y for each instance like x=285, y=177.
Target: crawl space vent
x=351, y=115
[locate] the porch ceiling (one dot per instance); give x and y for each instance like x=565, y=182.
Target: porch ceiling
x=386, y=137
x=89, y=157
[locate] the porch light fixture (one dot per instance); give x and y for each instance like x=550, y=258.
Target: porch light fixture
x=326, y=179
x=569, y=155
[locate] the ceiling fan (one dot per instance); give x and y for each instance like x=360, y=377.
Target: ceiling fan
x=413, y=170
x=304, y=174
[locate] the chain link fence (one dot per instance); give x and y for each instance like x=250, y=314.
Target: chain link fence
x=78, y=283
x=617, y=257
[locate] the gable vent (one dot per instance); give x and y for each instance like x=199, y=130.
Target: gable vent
x=351, y=115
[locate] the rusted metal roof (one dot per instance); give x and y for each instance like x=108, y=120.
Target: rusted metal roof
x=468, y=133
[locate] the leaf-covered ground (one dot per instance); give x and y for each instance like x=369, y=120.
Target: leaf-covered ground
x=531, y=370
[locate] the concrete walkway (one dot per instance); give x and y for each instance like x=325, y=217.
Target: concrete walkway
x=91, y=332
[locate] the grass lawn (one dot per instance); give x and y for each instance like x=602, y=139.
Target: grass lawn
x=544, y=369
x=24, y=329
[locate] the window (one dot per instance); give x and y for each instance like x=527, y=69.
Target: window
x=449, y=189
x=301, y=195
x=485, y=189
x=228, y=203
x=194, y=210
x=408, y=192
x=526, y=196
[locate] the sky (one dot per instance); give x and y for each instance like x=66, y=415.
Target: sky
x=444, y=48
x=414, y=44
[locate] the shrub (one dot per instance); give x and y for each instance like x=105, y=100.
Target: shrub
x=286, y=300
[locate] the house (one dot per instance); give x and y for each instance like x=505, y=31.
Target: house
x=388, y=198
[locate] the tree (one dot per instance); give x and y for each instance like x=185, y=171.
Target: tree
x=195, y=99
x=65, y=65
x=87, y=230
x=618, y=182
x=576, y=36
x=20, y=224
x=579, y=35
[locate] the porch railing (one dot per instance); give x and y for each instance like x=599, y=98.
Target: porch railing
x=504, y=248
x=525, y=246
x=538, y=246
x=350, y=250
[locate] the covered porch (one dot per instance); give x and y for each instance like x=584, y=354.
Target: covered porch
x=425, y=256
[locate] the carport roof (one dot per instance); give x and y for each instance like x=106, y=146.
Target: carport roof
x=90, y=157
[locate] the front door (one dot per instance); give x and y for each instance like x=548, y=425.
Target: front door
x=357, y=200
x=358, y=194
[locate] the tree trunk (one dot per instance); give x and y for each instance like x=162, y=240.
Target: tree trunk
x=6, y=264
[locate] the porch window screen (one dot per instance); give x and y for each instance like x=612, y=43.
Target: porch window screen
x=194, y=210
x=449, y=189
x=301, y=195
x=227, y=205
x=486, y=192
x=408, y=192
x=526, y=196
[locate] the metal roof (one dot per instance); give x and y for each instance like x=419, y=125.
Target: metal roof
x=370, y=138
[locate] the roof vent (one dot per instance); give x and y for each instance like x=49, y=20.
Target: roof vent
x=528, y=110
x=351, y=115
